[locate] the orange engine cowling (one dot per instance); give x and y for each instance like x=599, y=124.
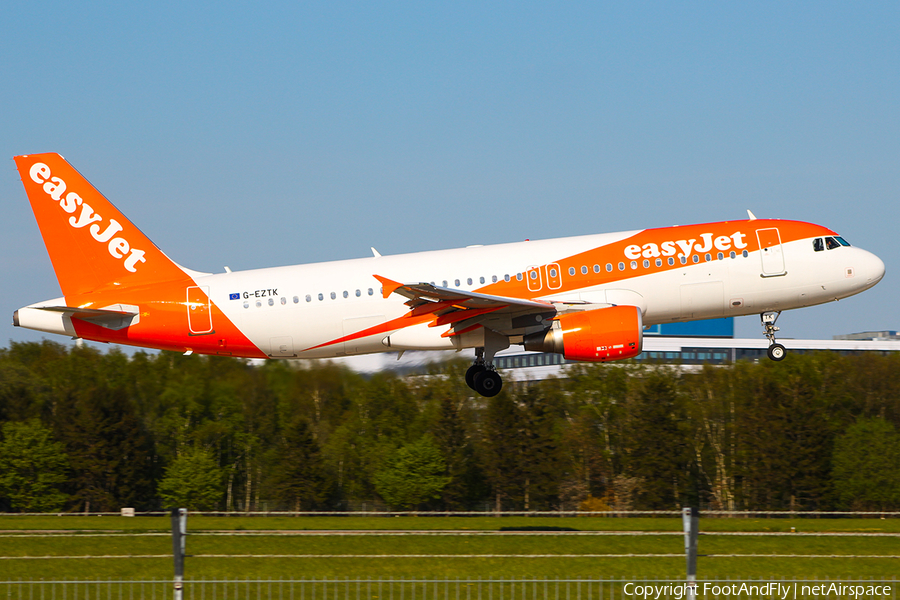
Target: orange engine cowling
x=612, y=333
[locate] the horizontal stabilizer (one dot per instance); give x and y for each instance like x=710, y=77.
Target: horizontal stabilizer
x=116, y=316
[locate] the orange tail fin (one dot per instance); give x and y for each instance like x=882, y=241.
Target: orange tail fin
x=91, y=244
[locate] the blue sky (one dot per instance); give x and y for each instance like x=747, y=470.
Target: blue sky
x=282, y=133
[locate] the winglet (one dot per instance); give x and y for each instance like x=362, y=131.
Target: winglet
x=751, y=215
x=388, y=286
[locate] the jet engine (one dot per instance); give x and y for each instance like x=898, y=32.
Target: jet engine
x=611, y=333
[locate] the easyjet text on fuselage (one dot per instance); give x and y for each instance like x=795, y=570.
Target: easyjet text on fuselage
x=684, y=248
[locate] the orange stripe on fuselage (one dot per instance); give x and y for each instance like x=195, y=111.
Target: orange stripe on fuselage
x=652, y=244
x=403, y=322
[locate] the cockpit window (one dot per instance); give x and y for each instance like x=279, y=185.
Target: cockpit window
x=842, y=241
x=818, y=244
x=831, y=243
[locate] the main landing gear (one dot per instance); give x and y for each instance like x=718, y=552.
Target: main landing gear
x=482, y=377
x=776, y=351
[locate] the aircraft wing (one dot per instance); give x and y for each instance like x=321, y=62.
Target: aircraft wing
x=466, y=310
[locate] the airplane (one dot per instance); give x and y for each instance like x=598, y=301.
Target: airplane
x=588, y=298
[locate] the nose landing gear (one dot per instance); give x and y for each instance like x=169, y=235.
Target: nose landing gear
x=776, y=351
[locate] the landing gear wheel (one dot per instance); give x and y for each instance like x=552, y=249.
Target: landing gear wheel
x=776, y=352
x=488, y=383
x=471, y=373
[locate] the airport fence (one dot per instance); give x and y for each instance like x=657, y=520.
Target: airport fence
x=449, y=589
x=764, y=514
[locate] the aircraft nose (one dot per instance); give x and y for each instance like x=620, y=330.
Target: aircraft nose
x=869, y=268
x=876, y=269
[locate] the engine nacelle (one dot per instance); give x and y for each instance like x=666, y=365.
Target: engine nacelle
x=612, y=333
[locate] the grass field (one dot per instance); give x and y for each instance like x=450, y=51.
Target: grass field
x=263, y=547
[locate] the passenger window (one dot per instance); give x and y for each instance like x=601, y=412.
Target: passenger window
x=733, y=255
x=469, y=281
x=831, y=243
x=321, y=297
x=358, y=293
x=371, y=292
x=308, y=298
x=456, y=282
x=584, y=270
x=258, y=303
x=609, y=267
x=721, y=256
x=658, y=262
x=346, y=294
x=818, y=244
x=695, y=258
x=519, y=277
x=621, y=266
x=284, y=300
x=493, y=279
x=646, y=263
x=708, y=257
x=271, y=302
x=571, y=271
x=552, y=272
x=634, y=264
x=596, y=268
x=445, y=283
x=506, y=277
x=745, y=254
x=671, y=260
x=246, y=304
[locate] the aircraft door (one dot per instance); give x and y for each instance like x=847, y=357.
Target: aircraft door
x=554, y=276
x=770, y=252
x=533, y=277
x=198, y=311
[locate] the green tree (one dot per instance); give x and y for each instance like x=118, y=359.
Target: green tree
x=192, y=481
x=784, y=437
x=297, y=478
x=112, y=456
x=503, y=427
x=656, y=447
x=466, y=480
x=32, y=467
x=867, y=466
x=542, y=464
x=412, y=475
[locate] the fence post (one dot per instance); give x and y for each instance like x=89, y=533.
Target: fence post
x=691, y=520
x=179, y=531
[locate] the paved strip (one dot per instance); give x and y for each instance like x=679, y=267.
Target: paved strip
x=377, y=533
x=675, y=555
